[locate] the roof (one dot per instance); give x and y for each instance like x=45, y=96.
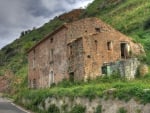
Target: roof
x=46, y=37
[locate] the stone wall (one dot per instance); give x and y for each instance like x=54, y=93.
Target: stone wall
x=125, y=68
x=128, y=68
x=75, y=59
x=93, y=42
x=48, y=61
x=65, y=104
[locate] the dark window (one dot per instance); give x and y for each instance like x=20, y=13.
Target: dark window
x=71, y=76
x=104, y=70
x=95, y=45
x=51, y=40
x=125, y=48
x=97, y=29
x=109, y=45
x=34, y=83
x=51, y=55
x=89, y=56
x=70, y=50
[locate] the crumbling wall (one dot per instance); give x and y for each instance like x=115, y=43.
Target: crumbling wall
x=97, y=105
x=71, y=16
x=128, y=68
x=100, y=44
x=75, y=59
x=125, y=68
x=49, y=56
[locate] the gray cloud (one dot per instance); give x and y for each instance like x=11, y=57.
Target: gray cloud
x=20, y=15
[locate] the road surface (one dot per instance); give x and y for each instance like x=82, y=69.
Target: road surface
x=7, y=106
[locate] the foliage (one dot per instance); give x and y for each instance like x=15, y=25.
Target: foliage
x=122, y=110
x=53, y=109
x=78, y=109
x=98, y=109
x=128, y=16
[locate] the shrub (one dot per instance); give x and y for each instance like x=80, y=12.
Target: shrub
x=78, y=109
x=98, y=109
x=53, y=109
x=122, y=110
x=147, y=24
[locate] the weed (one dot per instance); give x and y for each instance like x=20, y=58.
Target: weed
x=53, y=109
x=122, y=110
x=98, y=109
x=78, y=109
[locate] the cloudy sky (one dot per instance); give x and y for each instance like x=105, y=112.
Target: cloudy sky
x=20, y=15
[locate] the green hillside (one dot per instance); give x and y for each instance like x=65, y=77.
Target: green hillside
x=14, y=57
x=131, y=17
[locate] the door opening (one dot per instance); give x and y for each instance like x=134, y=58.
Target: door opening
x=71, y=76
x=124, y=52
x=104, y=70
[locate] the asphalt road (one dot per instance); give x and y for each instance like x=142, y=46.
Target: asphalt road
x=7, y=106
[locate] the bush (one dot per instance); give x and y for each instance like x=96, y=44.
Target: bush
x=122, y=110
x=98, y=109
x=53, y=109
x=147, y=24
x=78, y=109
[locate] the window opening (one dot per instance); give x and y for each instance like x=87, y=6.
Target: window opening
x=71, y=76
x=109, y=45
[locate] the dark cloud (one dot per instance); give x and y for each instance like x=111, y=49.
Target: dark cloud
x=20, y=15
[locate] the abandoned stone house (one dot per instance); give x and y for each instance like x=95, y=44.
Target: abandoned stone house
x=77, y=50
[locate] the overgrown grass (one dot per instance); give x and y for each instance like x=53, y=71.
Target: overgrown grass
x=128, y=16
x=125, y=90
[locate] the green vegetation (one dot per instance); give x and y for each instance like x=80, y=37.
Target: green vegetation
x=122, y=110
x=53, y=109
x=99, y=109
x=131, y=17
x=14, y=56
x=78, y=109
x=128, y=16
x=138, y=89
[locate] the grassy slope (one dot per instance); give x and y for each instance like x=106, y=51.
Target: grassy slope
x=128, y=16
x=131, y=17
x=14, y=57
x=122, y=89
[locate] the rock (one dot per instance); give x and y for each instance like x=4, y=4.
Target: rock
x=110, y=91
x=143, y=69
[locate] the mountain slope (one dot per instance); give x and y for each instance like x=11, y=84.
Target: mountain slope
x=128, y=16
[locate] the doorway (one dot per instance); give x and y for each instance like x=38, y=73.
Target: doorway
x=71, y=76
x=104, y=70
x=123, y=50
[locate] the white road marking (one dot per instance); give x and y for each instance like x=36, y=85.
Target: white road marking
x=20, y=108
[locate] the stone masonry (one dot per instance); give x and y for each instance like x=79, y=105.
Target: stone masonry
x=76, y=51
